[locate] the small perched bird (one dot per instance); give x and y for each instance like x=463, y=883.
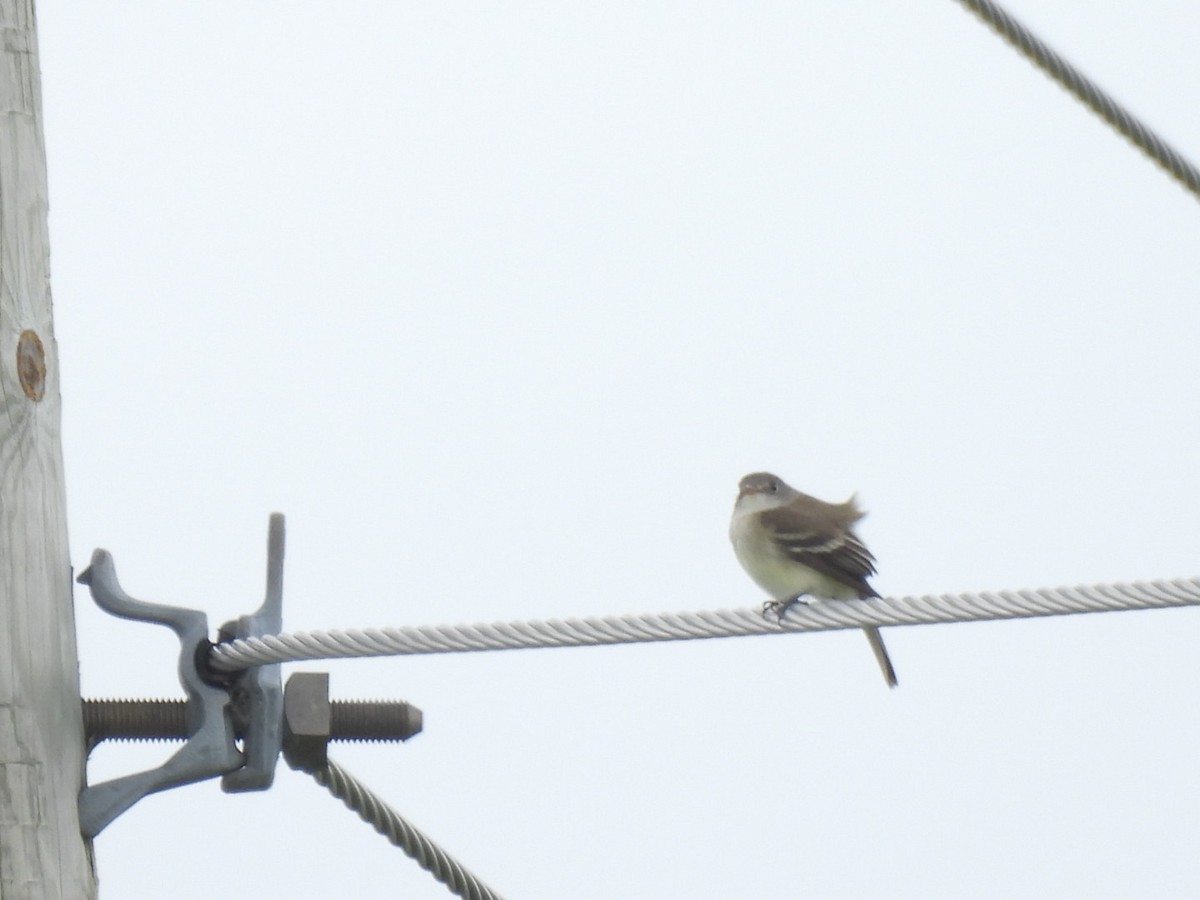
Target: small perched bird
x=792, y=544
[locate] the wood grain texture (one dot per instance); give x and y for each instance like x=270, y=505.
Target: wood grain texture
x=41, y=742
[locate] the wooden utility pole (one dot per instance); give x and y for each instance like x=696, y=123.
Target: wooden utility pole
x=41, y=733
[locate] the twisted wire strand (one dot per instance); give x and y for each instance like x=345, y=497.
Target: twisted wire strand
x=401, y=833
x=1086, y=91
x=815, y=616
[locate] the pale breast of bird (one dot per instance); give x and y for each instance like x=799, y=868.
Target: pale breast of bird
x=771, y=569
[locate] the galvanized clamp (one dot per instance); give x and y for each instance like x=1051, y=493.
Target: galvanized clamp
x=218, y=708
x=257, y=693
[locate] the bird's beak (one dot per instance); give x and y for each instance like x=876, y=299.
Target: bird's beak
x=744, y=489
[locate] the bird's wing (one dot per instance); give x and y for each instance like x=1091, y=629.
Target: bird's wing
x=825, y=542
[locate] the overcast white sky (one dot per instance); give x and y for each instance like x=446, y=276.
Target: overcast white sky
x=497, y=301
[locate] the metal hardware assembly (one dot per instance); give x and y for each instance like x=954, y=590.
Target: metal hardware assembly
x=222, y=709
x=210, y=748
x=348, y=720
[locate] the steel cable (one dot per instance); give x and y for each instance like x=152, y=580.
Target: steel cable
x=401, y=833
x=1087, y=92
x=815, y=616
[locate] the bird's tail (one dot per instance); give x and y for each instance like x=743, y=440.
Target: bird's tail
x=881, y=655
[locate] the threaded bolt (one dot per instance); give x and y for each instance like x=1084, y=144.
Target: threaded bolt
x=373, y=720
x=166, y=720
x=134, y=720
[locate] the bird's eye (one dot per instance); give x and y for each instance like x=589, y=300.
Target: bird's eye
x=772, y=487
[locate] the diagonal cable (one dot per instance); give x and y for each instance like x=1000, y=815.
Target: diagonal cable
x=1086, y=91
x=428, y=855
x=815, y=616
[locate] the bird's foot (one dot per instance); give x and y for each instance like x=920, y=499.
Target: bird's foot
x=779, y=608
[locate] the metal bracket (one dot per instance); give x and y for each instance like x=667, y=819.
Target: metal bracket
x=210, y=749
x=257, y=693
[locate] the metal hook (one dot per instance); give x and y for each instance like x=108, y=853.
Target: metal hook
x=258, y=691
x=218, y=707
x=209, y=751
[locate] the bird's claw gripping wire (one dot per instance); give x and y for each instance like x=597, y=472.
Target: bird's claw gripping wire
x=254, y=696
x=779, y=608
